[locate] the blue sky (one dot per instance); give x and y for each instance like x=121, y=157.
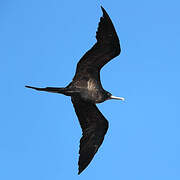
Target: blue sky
x=41, y=42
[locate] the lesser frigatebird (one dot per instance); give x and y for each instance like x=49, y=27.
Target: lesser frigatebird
x=86, y=90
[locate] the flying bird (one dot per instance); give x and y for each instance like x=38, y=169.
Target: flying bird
x=86, y=90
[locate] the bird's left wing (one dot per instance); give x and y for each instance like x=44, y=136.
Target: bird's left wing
x=94, y=126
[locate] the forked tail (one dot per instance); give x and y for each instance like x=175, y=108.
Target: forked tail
x=65, y=91
x=49, y=89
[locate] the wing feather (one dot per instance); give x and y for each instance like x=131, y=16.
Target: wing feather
x=94, y=127
x=106, y=48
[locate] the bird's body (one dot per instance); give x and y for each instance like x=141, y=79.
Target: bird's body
x=86, y=90
x=90, y=90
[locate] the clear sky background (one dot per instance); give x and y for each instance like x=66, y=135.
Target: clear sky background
x=40, y=44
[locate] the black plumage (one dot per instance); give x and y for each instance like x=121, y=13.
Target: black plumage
x=86, y=90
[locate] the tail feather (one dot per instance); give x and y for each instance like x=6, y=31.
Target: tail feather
x=48, y=89
x=66, y=91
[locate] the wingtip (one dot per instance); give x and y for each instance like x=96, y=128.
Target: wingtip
x=103, y=10
x=81, y=168
x=79, y=171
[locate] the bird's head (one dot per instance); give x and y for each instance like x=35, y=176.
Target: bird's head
x=110, y=96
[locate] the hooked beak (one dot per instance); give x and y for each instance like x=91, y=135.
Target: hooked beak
x=118, y=98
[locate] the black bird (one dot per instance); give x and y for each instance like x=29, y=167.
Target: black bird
x=86, y=90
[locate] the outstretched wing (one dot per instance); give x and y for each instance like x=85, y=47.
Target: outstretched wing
x=106, y=48
x=94, y=127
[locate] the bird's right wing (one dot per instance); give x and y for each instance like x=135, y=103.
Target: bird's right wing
x=94, y=127
x=106, y=48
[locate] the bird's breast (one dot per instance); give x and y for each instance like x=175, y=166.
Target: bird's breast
x=93, y=92
x=92, y=85
x=89, y=90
